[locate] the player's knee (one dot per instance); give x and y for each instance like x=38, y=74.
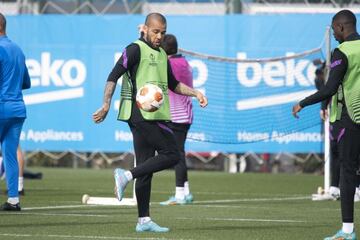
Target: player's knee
x=174, y=157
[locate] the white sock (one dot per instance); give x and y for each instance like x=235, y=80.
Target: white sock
x=334, y=190
x=21, y=184
x=186, y=188
x=128, y=175
x=143, y=220
x=348, y=228
x=13, y=200
x=179, y=193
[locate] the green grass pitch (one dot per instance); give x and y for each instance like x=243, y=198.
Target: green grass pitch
x=227, y=206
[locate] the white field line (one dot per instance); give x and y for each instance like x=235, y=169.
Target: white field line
x=254, y=200
x=232, y=194
x=47, y=236
x=56, y=207
x=62, y=214
x=245, y=220
x=195, y=202
x=225, y=206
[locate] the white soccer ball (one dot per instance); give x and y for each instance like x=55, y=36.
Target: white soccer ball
x=149, y=97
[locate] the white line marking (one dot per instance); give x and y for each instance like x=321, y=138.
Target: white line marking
x=245, y=220
x=85, y=237
x=254, y=200
x=226, y=206
x=55, y=207
x=53, y=96
x=196, y=202
x=61, y=214
x=272, y=100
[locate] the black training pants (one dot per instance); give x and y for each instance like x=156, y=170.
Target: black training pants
x=180, y=132
x=335, y=136
x=148, y=137
x=349, y=150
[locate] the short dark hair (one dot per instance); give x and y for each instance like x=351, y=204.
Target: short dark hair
x=157, y=16
x=169, y=44
x=2, y=23
x=346, y=17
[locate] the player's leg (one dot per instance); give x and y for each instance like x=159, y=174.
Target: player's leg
x=334, y=162
x=148, y=137
x=21, y=162
x=349, y=153
x=9, y=144
x=182, y=193
x=161, y=138
x=349, y=148
x=143, y=151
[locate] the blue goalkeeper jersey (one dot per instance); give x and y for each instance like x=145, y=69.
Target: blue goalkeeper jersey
x=14, y=77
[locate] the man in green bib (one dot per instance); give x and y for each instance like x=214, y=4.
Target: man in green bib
x=344, y=85
x=142, y=62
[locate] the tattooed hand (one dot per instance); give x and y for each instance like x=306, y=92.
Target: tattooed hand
x=101, y=113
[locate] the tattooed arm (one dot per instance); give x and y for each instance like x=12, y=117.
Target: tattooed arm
x=128, y=59
x=101, y=113
x=188, y=91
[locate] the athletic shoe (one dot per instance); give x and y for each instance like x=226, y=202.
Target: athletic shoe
x=173, y=201
x=151, y=227
x=10, y=207
x=120, y=183
x=189, y=198
x=340, y=235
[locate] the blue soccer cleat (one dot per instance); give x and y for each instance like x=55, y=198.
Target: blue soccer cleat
x=173, y=201
x=189, y=198
x=151, y=227
x=120, y=183
x=340, y=235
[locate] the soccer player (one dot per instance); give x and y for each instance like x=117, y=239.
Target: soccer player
x=181, y=118
x=142, y=62
x=14, y=77
x=344, y=84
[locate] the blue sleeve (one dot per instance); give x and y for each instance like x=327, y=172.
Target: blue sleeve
x=26, y=79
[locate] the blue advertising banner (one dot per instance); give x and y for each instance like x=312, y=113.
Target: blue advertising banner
x=70, y=57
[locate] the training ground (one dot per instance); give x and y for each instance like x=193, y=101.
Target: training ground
x=226, y=206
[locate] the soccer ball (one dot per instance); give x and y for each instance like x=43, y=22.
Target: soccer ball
x=149, y=97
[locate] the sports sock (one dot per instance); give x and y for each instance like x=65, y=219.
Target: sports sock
x=179, y=193
x=143, y=220
x=186, y=188
x=21, y=184
x=128, y=175
x=348, y=228
x=13, y=200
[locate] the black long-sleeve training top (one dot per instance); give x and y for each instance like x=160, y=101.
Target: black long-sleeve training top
x=338, y=68
x=129, y=62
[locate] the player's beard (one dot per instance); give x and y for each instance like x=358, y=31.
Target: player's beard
x=148, y=40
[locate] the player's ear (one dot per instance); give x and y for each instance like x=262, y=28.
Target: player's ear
x=341, y=27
